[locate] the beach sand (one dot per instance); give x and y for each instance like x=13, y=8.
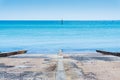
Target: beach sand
x=77, y=67
x=93, y=67
x=27, y=68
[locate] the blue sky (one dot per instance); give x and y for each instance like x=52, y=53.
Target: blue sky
x=58, y=9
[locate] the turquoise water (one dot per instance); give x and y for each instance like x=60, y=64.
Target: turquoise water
x=50, y=36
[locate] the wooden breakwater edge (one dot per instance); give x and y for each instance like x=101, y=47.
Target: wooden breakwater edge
x=108, y=53
x=6, y=54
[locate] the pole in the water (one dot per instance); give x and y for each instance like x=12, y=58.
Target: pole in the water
x=62, y=22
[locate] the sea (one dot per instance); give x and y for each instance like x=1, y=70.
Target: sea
x=49, y=36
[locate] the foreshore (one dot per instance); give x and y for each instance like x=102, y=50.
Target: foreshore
x=83, y=66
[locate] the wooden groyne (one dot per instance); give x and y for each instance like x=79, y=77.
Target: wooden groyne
x=12, y=53
x=108, y=53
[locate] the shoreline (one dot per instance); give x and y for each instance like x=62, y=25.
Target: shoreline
x=79, y=56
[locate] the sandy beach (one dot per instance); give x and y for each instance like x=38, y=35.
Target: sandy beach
x=27, y=68
x=77, y=67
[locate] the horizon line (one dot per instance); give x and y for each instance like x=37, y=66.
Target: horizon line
x=54, y=20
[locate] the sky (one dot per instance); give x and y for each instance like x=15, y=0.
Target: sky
x=59, y=9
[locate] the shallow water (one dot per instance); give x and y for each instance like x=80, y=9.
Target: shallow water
x=50, y=36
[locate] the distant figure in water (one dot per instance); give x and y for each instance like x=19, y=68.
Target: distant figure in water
x=60, y=52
